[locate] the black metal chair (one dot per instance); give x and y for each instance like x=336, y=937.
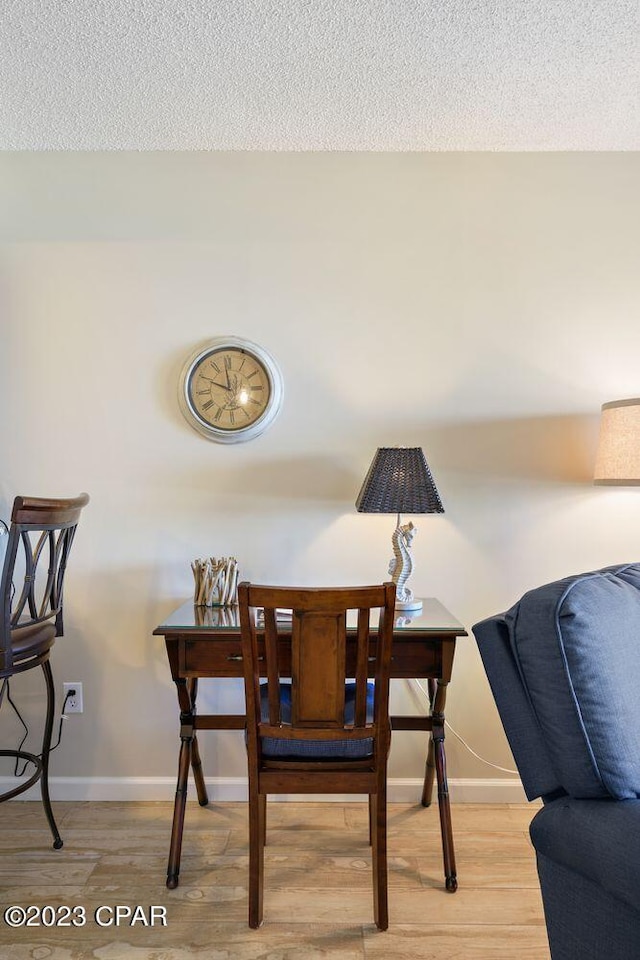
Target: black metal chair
x=39, y=542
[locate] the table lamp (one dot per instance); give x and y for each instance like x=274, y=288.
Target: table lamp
x=618, y=456
x=399, y=481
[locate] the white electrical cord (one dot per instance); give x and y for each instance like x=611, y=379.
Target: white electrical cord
x=425, y=694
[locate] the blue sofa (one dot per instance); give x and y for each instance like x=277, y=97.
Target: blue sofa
x=564, y=669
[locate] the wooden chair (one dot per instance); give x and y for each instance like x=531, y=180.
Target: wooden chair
x=320, y=733
x=39, y=542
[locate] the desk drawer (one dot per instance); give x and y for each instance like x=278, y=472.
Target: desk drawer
x=416, y=658
x=202, y=657
x=222, y=658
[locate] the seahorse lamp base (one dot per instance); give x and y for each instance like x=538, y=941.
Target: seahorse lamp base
x=401, y=566
x=413, y=604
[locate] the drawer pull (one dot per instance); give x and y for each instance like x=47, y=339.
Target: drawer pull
x=237, y=657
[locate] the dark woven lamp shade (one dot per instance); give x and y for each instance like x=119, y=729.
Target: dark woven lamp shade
x=399, y=481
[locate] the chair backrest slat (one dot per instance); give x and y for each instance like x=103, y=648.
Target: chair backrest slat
x=382, y=672
x=318, y=650
x=273, y=670
x=362, y=667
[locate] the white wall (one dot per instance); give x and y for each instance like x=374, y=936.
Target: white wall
x=481, y=306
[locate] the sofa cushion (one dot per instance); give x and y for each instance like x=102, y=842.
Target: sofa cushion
x=599, y=839
x=577, y=646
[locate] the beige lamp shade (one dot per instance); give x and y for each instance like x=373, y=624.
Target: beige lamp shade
x=618, y=456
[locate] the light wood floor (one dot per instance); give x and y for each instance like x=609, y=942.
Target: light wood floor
x=318, y=900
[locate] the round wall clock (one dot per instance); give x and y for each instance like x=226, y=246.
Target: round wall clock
x=230, y=390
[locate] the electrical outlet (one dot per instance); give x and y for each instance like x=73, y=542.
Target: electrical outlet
x=74, y=702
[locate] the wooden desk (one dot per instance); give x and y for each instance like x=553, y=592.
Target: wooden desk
x=205, y=642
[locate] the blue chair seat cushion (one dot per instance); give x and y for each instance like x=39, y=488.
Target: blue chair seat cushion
x=339, y=749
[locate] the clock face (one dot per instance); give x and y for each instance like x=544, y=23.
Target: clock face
x=231, y=390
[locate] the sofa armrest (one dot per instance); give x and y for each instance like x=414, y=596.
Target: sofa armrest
x=518, y=719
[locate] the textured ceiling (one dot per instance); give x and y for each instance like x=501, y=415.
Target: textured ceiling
x=319, y=75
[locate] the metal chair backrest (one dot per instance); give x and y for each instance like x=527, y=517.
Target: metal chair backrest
x=31, y=586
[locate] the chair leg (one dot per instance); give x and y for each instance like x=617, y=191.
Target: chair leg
x=257, y=804
x=263, y=817
x=379, y=858
x=46, y=750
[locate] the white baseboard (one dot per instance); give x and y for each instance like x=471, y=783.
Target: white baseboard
x=229, y=788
